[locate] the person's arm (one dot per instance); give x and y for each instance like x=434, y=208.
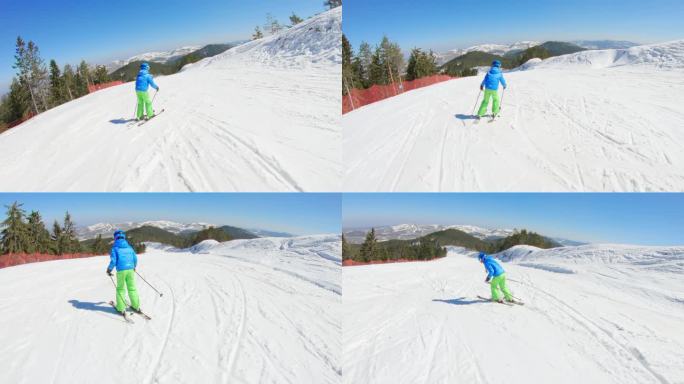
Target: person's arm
x=135, y=260
x=152, y=83
x=483, y=83
x=490, y=271
x=503, y=81
x=112, y=260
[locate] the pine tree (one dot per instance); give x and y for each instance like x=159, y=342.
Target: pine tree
x=39, y=237
x=69, y=82
x=56, y=85
x=376, y=74
x=17, y=103
x=364, y=60
x=294, y=19
x=82, y=79
x=257, y=33
x=15, y=232
x=346, y=249
x=100, y=246
x=100, y=76
x=69, y=241
x=56, y=239
x=421, y=64
x=332, y=3
x=348, y=80
x=272, y=25
x=369, y=248
x=22, y=64
x=392, y=60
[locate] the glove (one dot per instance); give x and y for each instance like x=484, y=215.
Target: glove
x=486, y=281
x=157, y=89
x=109, y=272
x=481, y=88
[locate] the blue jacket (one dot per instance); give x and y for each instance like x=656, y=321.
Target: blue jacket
x=493, y=268
x=144, y=80
x=122, y=256
x=493, y=78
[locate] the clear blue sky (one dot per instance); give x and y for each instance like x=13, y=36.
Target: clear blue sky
x=101, y=31
x=639, y=218
x=297, y=213
x=448, y=24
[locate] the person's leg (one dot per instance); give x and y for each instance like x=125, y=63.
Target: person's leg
x=485, y=103
x=141, y=104
x=120, y=290
x=148, y=105
x=504, y=288
x=132, y=290
x=495, y=103
x=494, y=287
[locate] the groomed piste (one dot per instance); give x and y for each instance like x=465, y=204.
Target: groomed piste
x=591, y=121
x=247, y=311
x=263, y=116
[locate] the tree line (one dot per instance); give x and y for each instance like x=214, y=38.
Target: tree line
x=36, y=88
x=27, y=233
x=433, y=246
x=383, y=64
x=392, y=250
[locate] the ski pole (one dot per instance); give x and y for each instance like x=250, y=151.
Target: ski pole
x=148, y=283
x=503, y=93
x=117, y=291
x=153, y=97
x=476, y=101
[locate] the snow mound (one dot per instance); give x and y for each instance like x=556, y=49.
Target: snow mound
x=664, y=259
x=668, y=55
x=204, y=246
x=311, y=42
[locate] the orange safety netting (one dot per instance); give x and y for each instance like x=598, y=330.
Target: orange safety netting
x=96, y=87
x=13, y=259
x=361, y=97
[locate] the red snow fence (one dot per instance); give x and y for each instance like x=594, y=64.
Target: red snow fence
x=361, y=97
x=97, y=87
x=18, y=121
x=12, y=259
x=352, y=263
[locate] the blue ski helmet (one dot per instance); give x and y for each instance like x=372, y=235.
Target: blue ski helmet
x=481, y=256
x=144, y=66
x=119, y=234
x=496, y=63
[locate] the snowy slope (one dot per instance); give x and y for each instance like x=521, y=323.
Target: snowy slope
x=259, y=117
x=229, y=315
x=423, y=323
x=563, y=127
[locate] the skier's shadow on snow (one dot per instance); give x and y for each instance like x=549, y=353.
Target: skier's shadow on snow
x=461, y=116
x=97, y=307
x=121, y=121
x=460, y=301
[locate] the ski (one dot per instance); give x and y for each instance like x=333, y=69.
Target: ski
x=498, y=302
x=494, y=117
x=155, y=115
x=141, y=313
x=128, y=319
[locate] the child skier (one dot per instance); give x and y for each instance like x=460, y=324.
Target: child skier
x=497, y=276
x=490, y=84
x=142, y=83
x=123, y=257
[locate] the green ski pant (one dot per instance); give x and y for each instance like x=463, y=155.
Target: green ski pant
x=489, y=94
x=126, y=279
x=499, y=282
x=144, y=104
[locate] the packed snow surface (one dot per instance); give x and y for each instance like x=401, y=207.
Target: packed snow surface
x=591, y=121
x=262, y=311
x=589, y=321
x=264, y=116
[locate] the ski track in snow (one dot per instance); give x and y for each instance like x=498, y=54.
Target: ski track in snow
x=423, y=323
x=228, y=315
x=608, y=129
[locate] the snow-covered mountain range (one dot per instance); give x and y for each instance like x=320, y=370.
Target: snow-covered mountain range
x=156, y=57
x=413, y=231
x=504, y=49
x=106, y=229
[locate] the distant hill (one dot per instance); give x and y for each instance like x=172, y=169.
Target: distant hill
x=238, y=233
x=457, y=238
x=129, y=71
x=463, y=65
x=157, y=235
